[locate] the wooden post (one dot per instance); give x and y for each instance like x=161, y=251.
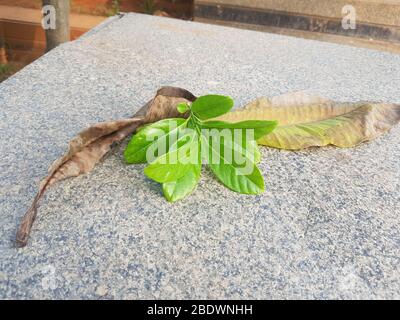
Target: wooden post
x=61, y=33
x=3, y=54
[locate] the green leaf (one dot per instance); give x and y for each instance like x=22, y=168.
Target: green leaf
x=178, y=166
x=176, y=190
x=175, y=164
x=182, y=107
x=211, y=106
x=166, y=130
x=243, y=179
x=164, y=172
x=261, y=128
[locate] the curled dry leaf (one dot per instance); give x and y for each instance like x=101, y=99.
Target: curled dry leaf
x=90, y=146
x=306, y=121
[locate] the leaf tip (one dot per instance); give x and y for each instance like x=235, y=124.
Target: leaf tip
x=182, y=107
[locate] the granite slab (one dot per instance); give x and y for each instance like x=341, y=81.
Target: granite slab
x=327, y=226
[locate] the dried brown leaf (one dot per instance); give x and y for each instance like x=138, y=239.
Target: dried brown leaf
x=89, y=146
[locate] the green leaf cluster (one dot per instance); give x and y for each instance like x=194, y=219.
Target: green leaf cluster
x=176, y=148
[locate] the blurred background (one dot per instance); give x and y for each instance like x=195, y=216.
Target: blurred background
x=373, y=24
x=22, y=38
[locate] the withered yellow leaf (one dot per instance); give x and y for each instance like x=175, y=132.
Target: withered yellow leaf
x=305, y=121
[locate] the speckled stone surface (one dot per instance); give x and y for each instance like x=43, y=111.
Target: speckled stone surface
x=328, y=225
